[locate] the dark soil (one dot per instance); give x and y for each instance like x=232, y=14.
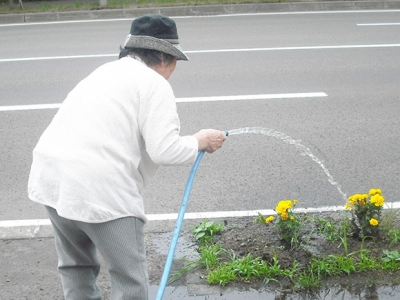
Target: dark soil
x=243, y=237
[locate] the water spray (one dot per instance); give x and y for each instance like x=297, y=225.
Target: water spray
x=264, y=131
x=297, y=143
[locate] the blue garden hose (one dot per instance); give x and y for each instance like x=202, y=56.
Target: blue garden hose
x=178, y=225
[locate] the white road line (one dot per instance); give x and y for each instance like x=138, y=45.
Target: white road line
x=29, y=107
x=297, y=48
x=65, y=22
x=252, y=97
x=379, y=24
x=201, y=215
x=24, y=223
x=211, y=51
x=184, y=100
x=209, y=16
x=57, y=57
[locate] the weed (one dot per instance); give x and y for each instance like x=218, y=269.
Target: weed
x=328, y=229
x=246, y=267
x=390, y=260
x=391, y=256
x=221, y=275
x=190, y=266
x=274, y=269
x=210, y=255
x=308, y=280
x=205, y=232
x=365, y=262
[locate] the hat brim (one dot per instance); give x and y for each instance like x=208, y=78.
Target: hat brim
x=149, y=42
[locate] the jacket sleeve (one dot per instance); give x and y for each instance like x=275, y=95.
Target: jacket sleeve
x=160, y=126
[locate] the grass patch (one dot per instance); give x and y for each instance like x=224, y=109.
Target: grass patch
x=328, y=247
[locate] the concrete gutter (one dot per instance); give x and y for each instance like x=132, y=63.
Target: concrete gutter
x=10, y=230
x=200, y=10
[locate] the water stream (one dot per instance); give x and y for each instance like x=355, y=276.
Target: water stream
x=297, y=143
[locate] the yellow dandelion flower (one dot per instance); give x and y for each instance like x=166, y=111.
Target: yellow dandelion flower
x=377, y=199
x=373, y=222
x=284, y=216
x=269, y=219
x=348, y=206
x=375, y=191
x=295, y=201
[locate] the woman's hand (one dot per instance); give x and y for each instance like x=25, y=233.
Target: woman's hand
x=210, y=140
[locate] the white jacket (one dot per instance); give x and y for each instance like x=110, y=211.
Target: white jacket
x=106, y=142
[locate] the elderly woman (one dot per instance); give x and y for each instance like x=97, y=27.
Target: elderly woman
x=103, y=146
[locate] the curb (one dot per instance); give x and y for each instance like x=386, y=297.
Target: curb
x=201, y=10
x=26, y=232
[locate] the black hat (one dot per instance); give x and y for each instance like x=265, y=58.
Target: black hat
x=156, y=32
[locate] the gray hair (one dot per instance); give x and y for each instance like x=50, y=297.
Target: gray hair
x=150, y=57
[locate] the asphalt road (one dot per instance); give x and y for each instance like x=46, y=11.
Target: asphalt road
x=352, y=57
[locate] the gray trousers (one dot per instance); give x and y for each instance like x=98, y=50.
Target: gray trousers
x=120, y=242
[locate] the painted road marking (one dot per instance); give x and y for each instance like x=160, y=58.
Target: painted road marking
x=210, y=16
x=19, y=229
x=30, y=107
x=202, y=215
x=185, y=100
x=252, y=97
x=379, y=24
x=211, y=51
x=57, y=57
x=297, y=48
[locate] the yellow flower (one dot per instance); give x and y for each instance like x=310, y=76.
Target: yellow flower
x=373, y=222
x=269, y=219
x=295, y=201
x=284, y=216
x=378, y=200
x=348, y=206
x=358, y=198
x=373, y=192
x=353, y=199
x=283, y=206
x=291, y=218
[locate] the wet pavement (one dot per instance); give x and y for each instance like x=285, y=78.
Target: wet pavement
x=29, y=268
x=29, y=271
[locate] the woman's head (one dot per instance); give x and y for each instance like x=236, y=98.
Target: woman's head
x=154, y=32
